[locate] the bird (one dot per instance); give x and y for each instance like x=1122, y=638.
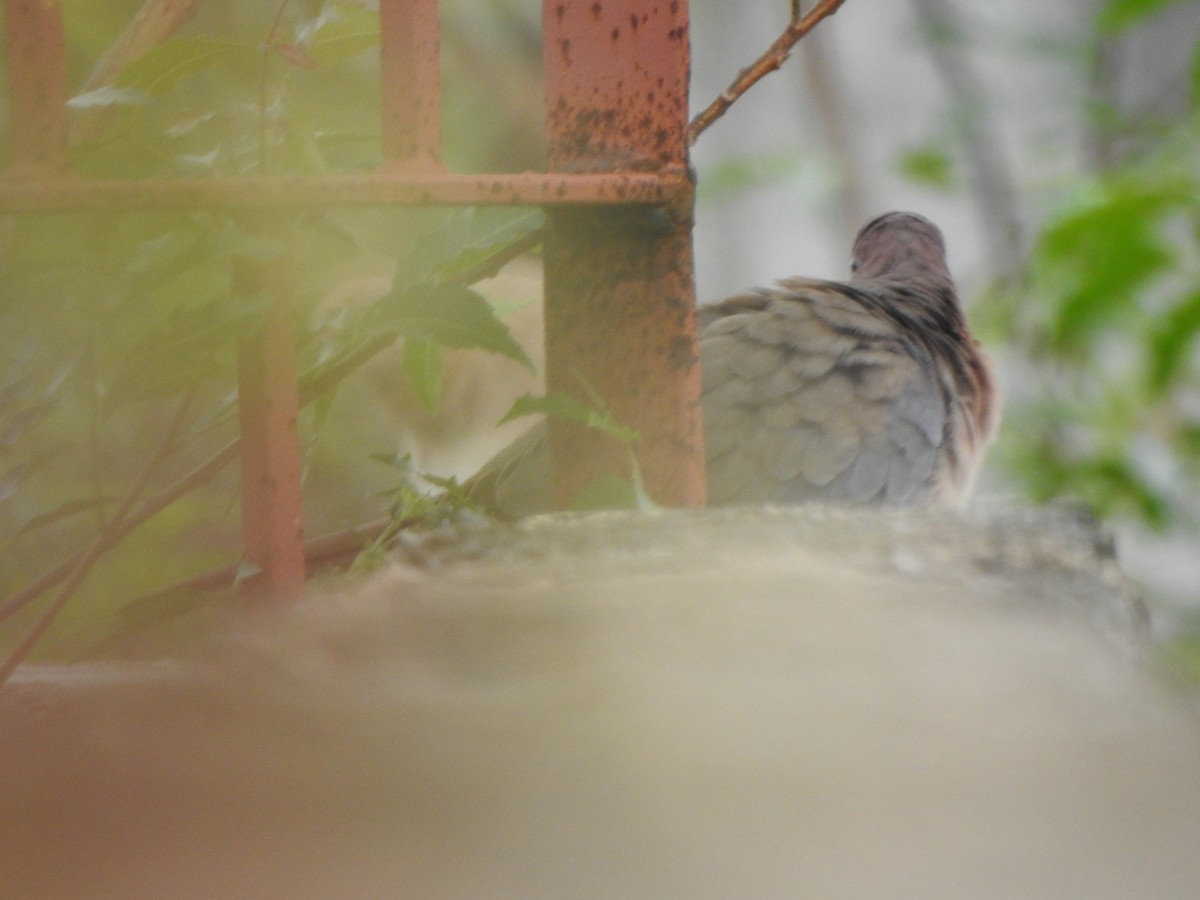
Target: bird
x=866, y=392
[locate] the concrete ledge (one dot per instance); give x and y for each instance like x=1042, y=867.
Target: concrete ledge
x=746, y=702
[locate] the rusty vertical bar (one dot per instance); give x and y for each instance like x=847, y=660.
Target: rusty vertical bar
x=37, y=84
x=268, y=404
x=620, y=293
x=411, y=83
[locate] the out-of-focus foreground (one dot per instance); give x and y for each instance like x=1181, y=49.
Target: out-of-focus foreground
x=787, y=703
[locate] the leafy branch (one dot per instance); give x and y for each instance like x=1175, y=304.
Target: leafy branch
x=75, y=573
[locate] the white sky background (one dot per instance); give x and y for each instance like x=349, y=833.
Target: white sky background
x=1028, y=54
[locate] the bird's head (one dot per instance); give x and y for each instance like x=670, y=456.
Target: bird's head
x=899, y=246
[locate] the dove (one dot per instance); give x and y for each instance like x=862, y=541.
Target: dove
x=866, y=392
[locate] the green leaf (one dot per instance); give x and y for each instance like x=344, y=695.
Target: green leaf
x=340, y=32
x=928, y=166
x=1117, y=15
x=490, y=230
x=423, y=366
x=451, y=315
x=1170, y=344
x=461, y=240
x=161, y=68
x=108, y=96
x=1093, y=261
x=557, y=404
x=609, y=491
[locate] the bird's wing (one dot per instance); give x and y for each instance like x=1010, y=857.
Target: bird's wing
x=811, y=392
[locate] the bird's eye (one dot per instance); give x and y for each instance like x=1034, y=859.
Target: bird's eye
x=854, y=265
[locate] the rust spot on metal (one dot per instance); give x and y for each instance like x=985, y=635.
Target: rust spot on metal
x=615, y=277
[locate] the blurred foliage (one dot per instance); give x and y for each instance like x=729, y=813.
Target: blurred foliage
x=114, y=324
x=1105, y=326
x=930, y=166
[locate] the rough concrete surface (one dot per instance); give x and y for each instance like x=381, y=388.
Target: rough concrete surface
x=737, y=703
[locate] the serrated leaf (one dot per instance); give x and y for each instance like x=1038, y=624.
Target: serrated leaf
x=489, y=229
x=162, y=67
x=461, y=240
x=564, y=407
x=108, y=96
x=451, y=315
x=423, y=366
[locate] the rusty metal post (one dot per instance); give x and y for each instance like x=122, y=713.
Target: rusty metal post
x=411, y=83
x=37, y=85
x=268, y=404
x=620, y=293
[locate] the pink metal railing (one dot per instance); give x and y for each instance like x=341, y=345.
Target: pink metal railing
x=619, y=290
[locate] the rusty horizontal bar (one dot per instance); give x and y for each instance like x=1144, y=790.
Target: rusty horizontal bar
x=75, y=193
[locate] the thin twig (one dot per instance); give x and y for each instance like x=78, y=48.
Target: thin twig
x=84, y=563
x=200, y=475
x=775, y=56
x=197, y=477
